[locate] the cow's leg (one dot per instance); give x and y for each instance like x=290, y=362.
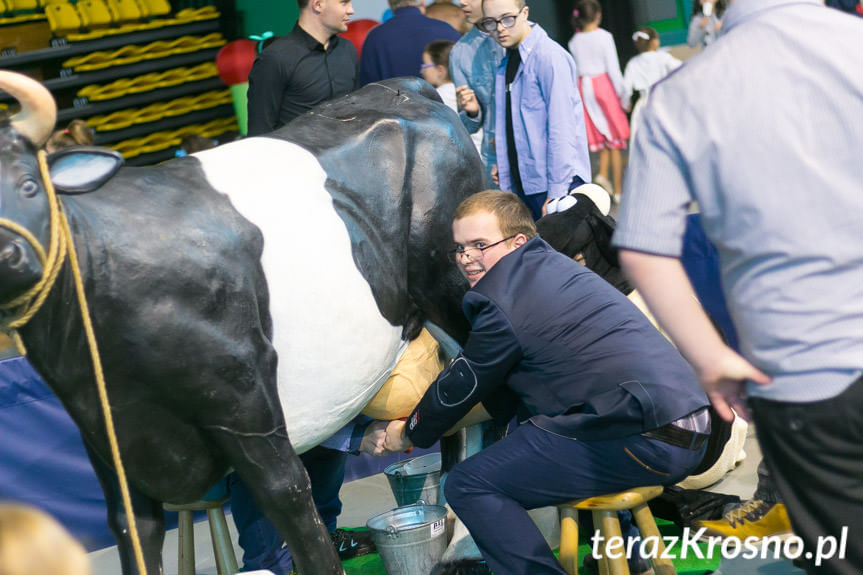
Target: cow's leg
x=149, y=519
x=274, y=474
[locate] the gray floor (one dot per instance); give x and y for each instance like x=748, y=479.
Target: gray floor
x=367, y=497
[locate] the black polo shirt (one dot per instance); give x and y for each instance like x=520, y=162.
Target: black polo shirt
x=294, y=74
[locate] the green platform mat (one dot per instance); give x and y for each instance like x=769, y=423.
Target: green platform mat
x=371, y=564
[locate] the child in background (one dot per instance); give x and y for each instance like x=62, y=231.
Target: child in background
x=601, y=85
x=77, y=133
x=435, y=71
x=643, y=71
x=706, y=22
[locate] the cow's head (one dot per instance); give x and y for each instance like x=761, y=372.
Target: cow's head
x=23, y=202
x=24, y=205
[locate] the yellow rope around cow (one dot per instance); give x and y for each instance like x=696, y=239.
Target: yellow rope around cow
x=26, y=306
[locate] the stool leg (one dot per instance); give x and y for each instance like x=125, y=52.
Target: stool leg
x=569, y=540
x=647, y=525
x=226, y=561
x=609, y=526
x=186, y=541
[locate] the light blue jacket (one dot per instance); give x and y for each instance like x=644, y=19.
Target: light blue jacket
x=473, y=61
x=548, y=118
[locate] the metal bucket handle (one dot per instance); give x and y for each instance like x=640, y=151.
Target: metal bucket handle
x=392, y=530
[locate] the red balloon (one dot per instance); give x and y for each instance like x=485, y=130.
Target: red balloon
x=235, y=60
x=357, y=32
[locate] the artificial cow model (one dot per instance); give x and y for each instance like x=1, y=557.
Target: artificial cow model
x=252, y=294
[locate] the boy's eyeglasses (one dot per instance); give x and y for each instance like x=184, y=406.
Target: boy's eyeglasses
x=426, y=67
x=477, y=251
x=490, y=24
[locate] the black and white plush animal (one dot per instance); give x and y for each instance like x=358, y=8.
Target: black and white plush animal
x=248, y=300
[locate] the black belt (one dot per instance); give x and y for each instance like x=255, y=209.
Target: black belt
x=678, y=437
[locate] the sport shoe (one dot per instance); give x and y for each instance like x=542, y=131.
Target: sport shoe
x=461, y=567
x=755, y=518
x=350, y=544
x=602, y=181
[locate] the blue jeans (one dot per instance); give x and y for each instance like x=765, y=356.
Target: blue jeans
x=492, y=490
x=263, y=547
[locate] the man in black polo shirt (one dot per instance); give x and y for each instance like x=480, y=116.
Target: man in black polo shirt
x=291, y=76
x=308, y=66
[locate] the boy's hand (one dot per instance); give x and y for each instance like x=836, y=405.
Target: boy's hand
x=467, y=101
x=724, y=379
x=374, y=439
x=396, y=438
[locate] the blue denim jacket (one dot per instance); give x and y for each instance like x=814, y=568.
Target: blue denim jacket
x=473, y=61
x=548, y=118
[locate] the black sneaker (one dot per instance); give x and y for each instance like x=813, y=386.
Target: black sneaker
x=462, y=567
x=637, y=565
x=350, y=544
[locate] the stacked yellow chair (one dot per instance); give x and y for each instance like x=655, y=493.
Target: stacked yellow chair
x=126, y=10
x=63, y=18
x=95, y=14
x=148, y=82
x=89, y=19
x=16, y=5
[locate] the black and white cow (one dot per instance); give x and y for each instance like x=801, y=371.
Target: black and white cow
x=256, y=292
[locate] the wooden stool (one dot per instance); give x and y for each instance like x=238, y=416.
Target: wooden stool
x=226, y=561
x=605, y=508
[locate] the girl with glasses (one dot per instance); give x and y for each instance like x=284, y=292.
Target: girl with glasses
x=435, y=71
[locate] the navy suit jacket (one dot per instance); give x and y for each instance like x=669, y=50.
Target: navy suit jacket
x=395, y=48
x=557, y=343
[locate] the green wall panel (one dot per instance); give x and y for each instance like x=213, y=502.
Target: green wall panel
x=669, y=17
x=277, y=16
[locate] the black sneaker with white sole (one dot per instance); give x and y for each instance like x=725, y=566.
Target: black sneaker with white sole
x=462, y=567
x=350, y=544
x=637, y=565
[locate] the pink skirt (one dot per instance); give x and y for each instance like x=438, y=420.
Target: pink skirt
x=616, y=129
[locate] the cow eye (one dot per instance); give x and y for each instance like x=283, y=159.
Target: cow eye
x=29, y=187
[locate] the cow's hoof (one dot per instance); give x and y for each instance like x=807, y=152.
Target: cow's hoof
x=462, y=567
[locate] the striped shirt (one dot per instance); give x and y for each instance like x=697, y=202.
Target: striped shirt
x=764, y=131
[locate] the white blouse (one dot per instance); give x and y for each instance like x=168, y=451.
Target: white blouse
x=595, y=54
x=646, y=69
x=447, y=94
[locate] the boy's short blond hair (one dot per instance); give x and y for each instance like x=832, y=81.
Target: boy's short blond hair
x=512, y=215
x=34, y=543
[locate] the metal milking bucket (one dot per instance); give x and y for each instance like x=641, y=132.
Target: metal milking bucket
x=411, y=540
x=416, y=479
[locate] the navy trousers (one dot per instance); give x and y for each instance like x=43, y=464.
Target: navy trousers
x=263, y=547
x=534, y=203
x=492, y=490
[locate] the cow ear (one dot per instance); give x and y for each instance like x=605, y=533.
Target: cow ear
x=82, y=169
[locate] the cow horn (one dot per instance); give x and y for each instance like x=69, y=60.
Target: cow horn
x=38, y=112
